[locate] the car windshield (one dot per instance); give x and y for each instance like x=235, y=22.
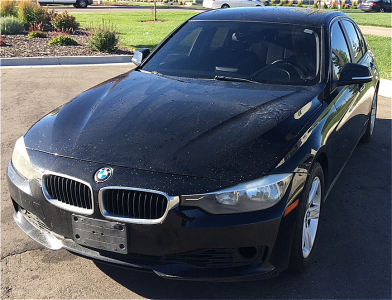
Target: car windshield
x=241, y=51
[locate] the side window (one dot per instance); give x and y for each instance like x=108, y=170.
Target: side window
x=354, y=40
x=340, y=52
x=361, y=40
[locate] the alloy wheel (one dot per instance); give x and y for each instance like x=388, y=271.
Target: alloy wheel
x=311, y=218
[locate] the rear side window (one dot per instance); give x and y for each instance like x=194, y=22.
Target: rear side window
x=340, y=52
x=356, y=43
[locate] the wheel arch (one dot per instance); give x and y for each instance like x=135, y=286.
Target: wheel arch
x=322, y=159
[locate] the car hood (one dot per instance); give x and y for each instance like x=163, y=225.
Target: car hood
x=220, y=130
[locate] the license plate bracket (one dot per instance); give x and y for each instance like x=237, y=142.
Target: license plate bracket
x=100, y=234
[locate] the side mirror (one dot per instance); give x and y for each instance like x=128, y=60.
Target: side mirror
x=354, y=74
x=140, y=55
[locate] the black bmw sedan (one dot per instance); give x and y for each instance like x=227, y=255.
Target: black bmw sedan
x=212, y=159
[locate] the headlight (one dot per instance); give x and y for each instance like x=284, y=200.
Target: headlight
x=21, y=161
x=251, y=196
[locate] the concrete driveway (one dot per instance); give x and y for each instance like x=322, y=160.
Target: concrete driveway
x=353, y=258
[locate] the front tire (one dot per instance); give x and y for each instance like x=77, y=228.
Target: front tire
x=82, y=3
x=368, y=135
x=225, y=6
x=308, y=219
x=381, y=10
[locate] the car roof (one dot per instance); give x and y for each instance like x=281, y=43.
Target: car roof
x=290, y=15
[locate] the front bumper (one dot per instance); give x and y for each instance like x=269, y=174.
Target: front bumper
x=189, y=244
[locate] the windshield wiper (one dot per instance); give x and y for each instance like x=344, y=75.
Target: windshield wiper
x=160, y=74
x=226, y=78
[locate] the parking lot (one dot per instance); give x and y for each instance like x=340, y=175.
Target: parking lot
x=354, y=252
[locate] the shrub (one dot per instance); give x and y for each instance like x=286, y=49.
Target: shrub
x=165, y=1
x=62, y=40
x=30, y=13
x=65, y=21
x=11, y=25
x=334, y=6
x=9, y=8
x=290, y=3
x=281, y=3
x=299, y=3
x=103, y=39
x=272, y=3
x=325, y=6
x=36, y=34
x=315, y=4
x=36, y=27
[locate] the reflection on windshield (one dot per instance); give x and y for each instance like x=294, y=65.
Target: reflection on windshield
x=260, y=52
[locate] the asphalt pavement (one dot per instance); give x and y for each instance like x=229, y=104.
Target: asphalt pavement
x=353, y=259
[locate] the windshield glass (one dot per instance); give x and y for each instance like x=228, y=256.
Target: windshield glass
x=258, y=52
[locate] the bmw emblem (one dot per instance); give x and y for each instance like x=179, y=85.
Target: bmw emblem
x=103, y=174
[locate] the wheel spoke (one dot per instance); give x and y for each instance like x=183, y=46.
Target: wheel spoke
x=313, y=190
x=314, y=212
x=307, y=241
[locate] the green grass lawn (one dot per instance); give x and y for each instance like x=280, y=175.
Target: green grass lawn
x=372, y=19
x=134, y=28
x=382, y=48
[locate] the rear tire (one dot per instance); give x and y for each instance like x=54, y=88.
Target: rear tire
x=308, y=220
x=382, y=10
x=368, y=135
x=225, y=6
x=76, y=5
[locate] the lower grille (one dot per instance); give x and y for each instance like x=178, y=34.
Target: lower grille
x=67, y=193
x=33, y=219
x=215, y=258
x=136, y=204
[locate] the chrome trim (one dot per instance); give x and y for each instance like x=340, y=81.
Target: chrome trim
x=362, y=78
x=171, y=203
x=59, y=204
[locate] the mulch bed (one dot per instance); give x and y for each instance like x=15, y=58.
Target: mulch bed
x=19, y=45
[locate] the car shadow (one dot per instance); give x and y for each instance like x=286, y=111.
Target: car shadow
x=353, y=257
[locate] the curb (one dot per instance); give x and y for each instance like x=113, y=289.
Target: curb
x=385, y=88
x=65, y=60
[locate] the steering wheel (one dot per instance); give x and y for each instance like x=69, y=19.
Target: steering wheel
x=285, y=62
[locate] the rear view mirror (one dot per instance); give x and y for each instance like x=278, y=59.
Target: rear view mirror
x=354, y=74
x=140, y=55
